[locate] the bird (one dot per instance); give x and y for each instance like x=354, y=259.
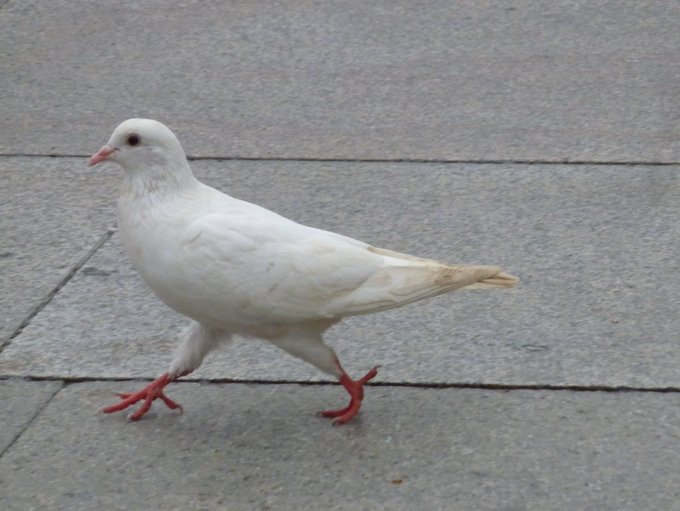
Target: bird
x=237, y=269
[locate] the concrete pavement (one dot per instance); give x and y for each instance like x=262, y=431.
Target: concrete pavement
x=274, y=102
x=260, y=447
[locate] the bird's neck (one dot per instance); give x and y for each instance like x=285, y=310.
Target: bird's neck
x=158, y=181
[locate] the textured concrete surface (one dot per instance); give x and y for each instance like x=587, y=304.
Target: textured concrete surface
x=20, y=402
x=593, y=245
x=52, y=211
x=261, y=447
x=384, y=79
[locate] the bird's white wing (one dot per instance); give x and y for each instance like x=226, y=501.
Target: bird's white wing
x=270, y=269
x=255, y=266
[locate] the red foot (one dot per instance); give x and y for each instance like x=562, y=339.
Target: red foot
x=356, y=393
x=152, y=391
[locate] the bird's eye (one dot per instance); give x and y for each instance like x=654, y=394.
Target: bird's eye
x=133, y=139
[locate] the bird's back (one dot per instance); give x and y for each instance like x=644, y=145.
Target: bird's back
x=235, y=264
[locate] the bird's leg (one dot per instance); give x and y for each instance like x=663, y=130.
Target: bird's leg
x=195, y=344
x=312, y=349
x=148, y=394
x=355, y=388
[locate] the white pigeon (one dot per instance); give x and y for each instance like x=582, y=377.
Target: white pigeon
x=239, y=269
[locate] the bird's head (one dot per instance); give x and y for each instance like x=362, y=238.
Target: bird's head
x=139, y=144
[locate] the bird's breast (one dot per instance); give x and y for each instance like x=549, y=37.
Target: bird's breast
x=155, y=243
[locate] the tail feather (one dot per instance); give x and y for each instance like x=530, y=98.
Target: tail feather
x=499, y=281
x=449, y=275
x=412, y=279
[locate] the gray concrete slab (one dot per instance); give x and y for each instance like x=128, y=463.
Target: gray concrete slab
x=261, y=447
x=52, y=211
x=594, y=246
x=580, y=80
x=20, y=402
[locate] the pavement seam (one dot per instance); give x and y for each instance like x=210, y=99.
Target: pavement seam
x=45, y=301
x=33, y=418
x=423, y=385
x=481, y=161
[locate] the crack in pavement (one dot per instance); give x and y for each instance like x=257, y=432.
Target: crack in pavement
x=481, y=161
x=45, y=301
x=33, y=417
x=504, y=387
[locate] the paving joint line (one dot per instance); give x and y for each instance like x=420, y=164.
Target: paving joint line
x=45, y=301
x=480, y=161
x=504, y=387
x=33, y=418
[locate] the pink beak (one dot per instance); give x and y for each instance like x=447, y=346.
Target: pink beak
x=102, y=155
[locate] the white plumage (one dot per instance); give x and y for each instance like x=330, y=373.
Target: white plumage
x=236, y=268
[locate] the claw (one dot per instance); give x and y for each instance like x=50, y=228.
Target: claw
x=355, y=388
x=334, y=413
x=148, y=394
